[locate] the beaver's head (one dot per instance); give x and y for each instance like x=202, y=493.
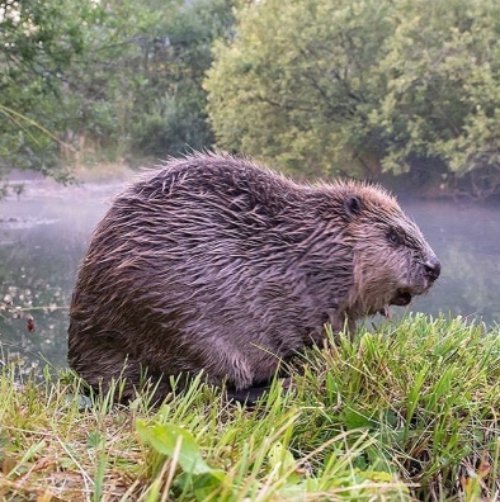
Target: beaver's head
x=392, y=260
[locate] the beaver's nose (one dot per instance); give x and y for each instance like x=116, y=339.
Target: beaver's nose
x=432, y=268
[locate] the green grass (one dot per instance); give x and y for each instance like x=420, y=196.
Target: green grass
x=409, y=412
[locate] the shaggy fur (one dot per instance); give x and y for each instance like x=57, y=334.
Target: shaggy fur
x=213, y=263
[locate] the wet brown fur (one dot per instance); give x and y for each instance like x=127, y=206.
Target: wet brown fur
x=213, y=263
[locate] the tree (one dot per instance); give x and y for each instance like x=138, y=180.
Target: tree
x=169, y=113
x=37, y=43
x=443, y=91
x=123, y=76
x=357, y=87
x=294, y=86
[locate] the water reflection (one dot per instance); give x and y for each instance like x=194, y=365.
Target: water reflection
x=44, y=235
x=467, y=241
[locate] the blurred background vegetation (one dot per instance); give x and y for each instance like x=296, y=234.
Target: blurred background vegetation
x=404, y=90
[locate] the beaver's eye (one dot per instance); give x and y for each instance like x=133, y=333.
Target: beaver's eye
x=393, y=237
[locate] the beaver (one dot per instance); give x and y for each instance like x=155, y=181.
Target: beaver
x=215, y=264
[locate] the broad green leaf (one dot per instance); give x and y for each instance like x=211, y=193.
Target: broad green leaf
x=166, y=438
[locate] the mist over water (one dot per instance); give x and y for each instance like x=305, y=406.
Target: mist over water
x=466, y=238
x=44, y=235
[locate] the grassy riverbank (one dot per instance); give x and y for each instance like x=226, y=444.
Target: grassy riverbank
x=410, y=412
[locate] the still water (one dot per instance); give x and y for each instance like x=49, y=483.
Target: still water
x=44, y=235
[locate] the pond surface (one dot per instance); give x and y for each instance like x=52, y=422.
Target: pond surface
x=44, y=235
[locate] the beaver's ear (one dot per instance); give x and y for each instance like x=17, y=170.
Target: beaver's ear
x=353, y=206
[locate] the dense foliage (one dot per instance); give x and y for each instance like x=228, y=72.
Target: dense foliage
x=352, y=87
x=360, y=87
x=114, y=76
x=38, y=41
